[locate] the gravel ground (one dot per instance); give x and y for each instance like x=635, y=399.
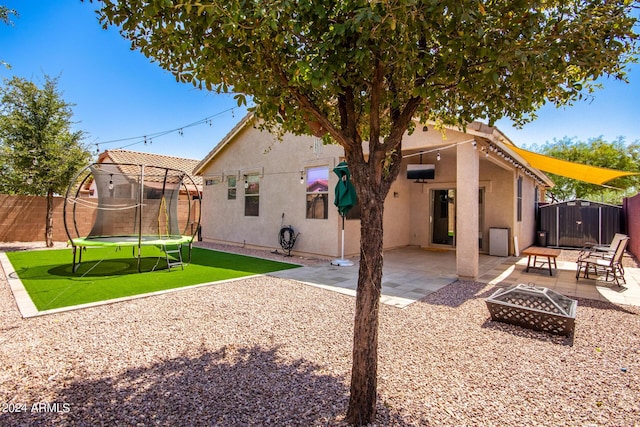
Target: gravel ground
x=272, y=352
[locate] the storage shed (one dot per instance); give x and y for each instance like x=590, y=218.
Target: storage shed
x=576, y=222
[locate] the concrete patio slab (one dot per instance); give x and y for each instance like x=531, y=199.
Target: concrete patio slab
x=410, y=274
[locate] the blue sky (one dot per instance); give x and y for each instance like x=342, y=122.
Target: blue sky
x=120, y=95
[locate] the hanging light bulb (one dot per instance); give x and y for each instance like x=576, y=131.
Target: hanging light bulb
x=301, y=177
x=110, y=181
x=438, y=155
x=475, y=144
x=246, y=182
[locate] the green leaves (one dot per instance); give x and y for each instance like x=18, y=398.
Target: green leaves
x=596, y=152
x=463, y=59
x=39, y=151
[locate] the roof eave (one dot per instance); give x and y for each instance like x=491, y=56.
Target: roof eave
x=496, y=136
x=199, y=168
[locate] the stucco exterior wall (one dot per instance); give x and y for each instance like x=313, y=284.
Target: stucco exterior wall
x=397, y=214
x=526, y=228
x=499, y=185
x=282, y=197
x=408, y=208
x=421, y=204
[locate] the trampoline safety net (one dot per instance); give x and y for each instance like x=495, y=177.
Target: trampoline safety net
x=136, y=200
x=132, y=205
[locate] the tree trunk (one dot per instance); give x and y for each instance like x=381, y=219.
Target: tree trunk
x=364, y=373
x=48, y=230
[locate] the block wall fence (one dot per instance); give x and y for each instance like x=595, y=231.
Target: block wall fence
x=22, y=218
x=631, y=213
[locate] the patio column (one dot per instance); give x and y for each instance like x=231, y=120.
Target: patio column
x=467, y=176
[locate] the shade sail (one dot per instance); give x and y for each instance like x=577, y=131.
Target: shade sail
x=586, y=173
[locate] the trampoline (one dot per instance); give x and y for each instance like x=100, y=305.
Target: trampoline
x=132, y=205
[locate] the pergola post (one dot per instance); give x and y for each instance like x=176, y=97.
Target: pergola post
x=467, y=205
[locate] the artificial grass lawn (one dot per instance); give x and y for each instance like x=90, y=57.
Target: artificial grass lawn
x=106, y=274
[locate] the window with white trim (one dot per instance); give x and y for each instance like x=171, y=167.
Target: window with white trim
x=252, y=195
x=519, y=207
x=317, y=192
x=231, y=187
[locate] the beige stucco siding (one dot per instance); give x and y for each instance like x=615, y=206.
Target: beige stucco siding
x=420, y=206
x=499, y=197
x=408, y=211
x=278, y=163
x=526, y=227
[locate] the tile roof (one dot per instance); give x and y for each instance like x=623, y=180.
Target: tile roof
x=135, y=157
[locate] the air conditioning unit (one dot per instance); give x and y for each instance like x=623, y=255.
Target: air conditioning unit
x=421, y=172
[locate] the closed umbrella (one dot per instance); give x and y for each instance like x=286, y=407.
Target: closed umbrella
x=345, y=199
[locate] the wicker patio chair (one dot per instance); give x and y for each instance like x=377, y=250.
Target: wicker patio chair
x=611, y=266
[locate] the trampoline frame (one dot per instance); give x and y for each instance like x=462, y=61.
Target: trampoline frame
x=133, y=240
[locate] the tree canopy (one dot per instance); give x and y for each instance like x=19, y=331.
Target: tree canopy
x=39, y=153
x=39, y=150
x=361, y=70
x=459, y=61
x=617, y=155
x=5, y=18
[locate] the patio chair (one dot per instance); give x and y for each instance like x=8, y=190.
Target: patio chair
x=611, y=266
x=593, y=249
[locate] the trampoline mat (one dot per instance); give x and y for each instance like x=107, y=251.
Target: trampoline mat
x=133, y=240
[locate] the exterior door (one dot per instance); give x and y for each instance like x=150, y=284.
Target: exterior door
x=443, y=231
x=443, y=217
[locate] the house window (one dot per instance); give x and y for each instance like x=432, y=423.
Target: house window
x=317, y=192
x=231, y=187
x=519, y=207
x=252, y=195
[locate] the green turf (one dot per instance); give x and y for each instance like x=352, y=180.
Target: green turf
x=106, y=274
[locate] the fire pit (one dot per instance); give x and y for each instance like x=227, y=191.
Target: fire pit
x=533, y=307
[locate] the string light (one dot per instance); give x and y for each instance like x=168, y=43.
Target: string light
x=143, y=139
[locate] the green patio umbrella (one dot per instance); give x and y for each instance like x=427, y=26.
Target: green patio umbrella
x=345, y=199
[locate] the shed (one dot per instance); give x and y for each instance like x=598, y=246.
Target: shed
x=576, y=222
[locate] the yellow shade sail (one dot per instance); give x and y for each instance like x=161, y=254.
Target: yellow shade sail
x=586, y=173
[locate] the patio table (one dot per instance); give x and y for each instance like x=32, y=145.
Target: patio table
x=536, y=251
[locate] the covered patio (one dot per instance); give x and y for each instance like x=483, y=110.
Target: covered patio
x=411, y=273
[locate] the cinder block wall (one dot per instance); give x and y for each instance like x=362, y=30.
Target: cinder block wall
x=22, y=218
x=631, y=211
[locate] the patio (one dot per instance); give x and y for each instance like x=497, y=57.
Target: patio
x=412, y=273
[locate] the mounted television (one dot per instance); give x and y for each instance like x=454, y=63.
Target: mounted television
x=421, y=172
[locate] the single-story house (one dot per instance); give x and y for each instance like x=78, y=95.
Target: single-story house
x=454, y=189
x=150, y=159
